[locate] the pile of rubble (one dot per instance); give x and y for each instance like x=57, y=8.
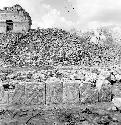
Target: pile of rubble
x=51, y=68
x=54, y=47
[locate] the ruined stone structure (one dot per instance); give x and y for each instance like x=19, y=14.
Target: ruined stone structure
x=14, y=19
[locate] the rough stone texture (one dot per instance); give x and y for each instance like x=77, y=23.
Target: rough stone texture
x=21, y=21
x=54, y=92
x=51, y=93
x=70, y=93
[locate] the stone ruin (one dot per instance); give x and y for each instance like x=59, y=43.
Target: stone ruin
x=14, y=19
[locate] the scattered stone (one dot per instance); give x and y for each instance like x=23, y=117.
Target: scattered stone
x=85, y=123
x=117, y=102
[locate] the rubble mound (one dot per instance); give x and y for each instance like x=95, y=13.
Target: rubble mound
x=51, y=76
x=56, y=47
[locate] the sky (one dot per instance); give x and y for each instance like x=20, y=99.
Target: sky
x=70, y=14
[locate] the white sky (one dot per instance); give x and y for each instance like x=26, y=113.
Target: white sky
x=70, y=14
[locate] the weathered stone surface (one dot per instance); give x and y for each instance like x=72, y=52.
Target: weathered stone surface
x=3, y=96
x=88, y=93
x=100, y=82
x=14, y=19
x=53, y=90
x=117, y=102
x=54, y=93
x=116, y=89
x=105, y=94
x=91, y=97
x=18, y=97
x=85, y=123
x=70, y=92
x=35, y=94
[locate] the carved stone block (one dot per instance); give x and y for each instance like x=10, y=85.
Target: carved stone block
x=70, y=92
x=36, y=94
x=54, y=93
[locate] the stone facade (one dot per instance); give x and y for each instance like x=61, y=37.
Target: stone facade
x=14, y=19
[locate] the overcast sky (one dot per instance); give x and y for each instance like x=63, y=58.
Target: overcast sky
x=70, y=14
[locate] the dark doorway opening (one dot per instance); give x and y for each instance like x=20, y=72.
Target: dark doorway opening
x=9, y=25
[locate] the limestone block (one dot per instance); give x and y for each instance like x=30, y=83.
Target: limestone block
x=3, y=96
x=19, y=91
x=116, y=89
x=54, y=92
x=118, y=76
x=71, y=92
x=105, y=93
x=36, y=94
x=85, y=123
x=18, y=96
x=88, y=94
x=117, y=102
x=100, y=82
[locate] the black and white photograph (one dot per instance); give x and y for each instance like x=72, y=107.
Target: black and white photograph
x=60, y=62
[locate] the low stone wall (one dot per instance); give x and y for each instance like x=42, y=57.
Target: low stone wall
x=62, y=87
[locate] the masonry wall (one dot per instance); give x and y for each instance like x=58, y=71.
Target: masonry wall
x=18, y=27
x=2, y=27
x=20, y=22
x=14, y=16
